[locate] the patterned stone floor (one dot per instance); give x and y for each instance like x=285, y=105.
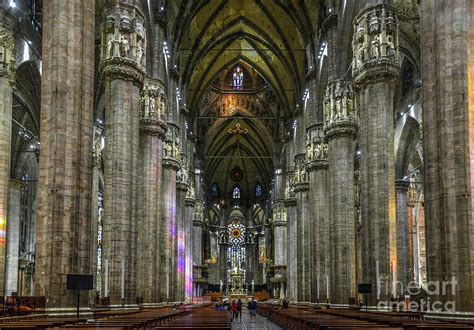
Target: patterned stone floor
x=261, y=322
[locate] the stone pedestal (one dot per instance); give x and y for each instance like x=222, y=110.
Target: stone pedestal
x=375, y=69
x=67, y=94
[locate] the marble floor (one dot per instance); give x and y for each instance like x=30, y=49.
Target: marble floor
x=261, y=322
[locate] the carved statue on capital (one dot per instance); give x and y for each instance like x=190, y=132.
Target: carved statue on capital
x=182, y=174
x=339, y=111
x=7, y=59
x=300, y=172
x=124, y=41
x=171, y=148
x=376, y=30
x=316, y=145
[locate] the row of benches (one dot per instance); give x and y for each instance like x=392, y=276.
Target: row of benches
x=202, y=318
x=311, y=318
x=142, y=319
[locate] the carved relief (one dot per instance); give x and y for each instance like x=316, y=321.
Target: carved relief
x=375, y=39
x=316, y=146
x=7, y=60
x=171, y=147
x=289, y=186
x=300, y=174
x=339, y=106
x=183, y=174
x=153, y=100
x=124, y=41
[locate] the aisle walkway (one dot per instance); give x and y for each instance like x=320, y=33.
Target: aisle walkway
x=261, y=322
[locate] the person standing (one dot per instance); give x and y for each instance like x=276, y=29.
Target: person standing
x=252, y=310
x=239, y=309
x=233, y=307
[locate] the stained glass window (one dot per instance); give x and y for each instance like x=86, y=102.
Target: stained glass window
x=236, y=249
x=215, y=191
x=237, y=77
x=236, y=193
x=258, y=191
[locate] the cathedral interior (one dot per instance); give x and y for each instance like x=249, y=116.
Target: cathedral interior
x=176, y=149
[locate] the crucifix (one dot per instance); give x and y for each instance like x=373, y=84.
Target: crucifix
x=237, y=130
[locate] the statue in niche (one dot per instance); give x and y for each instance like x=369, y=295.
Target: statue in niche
x=152, y=106
x=318, y=150
x=168, y=149
x=325, y=150
x=139, y=52
x=375, y=47
x=124, y=46
x=162, y=106
x=309, y=151
x=327, y=109
x=304, y=174
x=391, y=50
x=110, y=45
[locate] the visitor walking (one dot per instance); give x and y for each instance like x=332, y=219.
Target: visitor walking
x=252, y=310
x=239, y=309
x=233, y=307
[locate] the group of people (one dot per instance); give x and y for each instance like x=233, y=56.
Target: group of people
x=236, y=308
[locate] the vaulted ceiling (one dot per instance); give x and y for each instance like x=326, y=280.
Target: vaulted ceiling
x=270, y=39
x=268, y=35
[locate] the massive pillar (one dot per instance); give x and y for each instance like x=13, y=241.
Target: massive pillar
x=340, y=126
x=171, y=164
x=7, y=78
x=13, y=237
x=375, y=69
x=182, y=187
x=303, y=224
x=67, y=92
x=291, y=238
x=122, y=71
x=189, y=204
x=152, y=133
x=198, y=225
x=279, y=234
x=317, y=167
x=447, y=53
x=403, y=233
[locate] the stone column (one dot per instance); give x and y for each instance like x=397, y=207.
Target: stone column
x=13, y=236
x=317, y=167
x=447, y=52
x=182, y=187
x=198, y=225
x=403, y=232
x=303, y=223
x=171, y=164
x=7, y=78
x=292, y=241
x=279, y=244
x=67, y=93
x=96, y=214
x=152, y=133
x=340, y=126
x=122, y=72
x=375, y=69
x=223, y=241
x=190, y=203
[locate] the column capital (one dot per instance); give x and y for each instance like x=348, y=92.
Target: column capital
x=123, y=48
x=153, y=108
x=300, y=174
x=171, y=150
x=7, y=58
x=375, y=45
x=340, y=112
x=316, y=149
